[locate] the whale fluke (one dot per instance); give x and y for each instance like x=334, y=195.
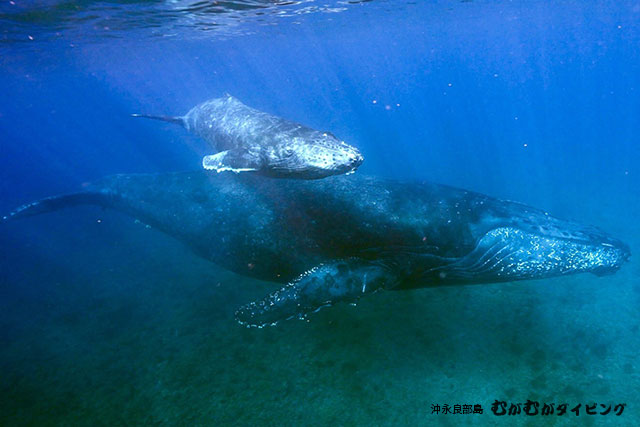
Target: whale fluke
x=55, y=203
x=171, y=119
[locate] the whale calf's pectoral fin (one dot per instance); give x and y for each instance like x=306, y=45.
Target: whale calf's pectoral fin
x=322, y=286
x=231, y=160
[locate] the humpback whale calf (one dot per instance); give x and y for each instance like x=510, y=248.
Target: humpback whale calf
x=246, y=139
x=341, y=238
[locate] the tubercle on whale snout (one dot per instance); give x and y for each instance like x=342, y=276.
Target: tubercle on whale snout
x=314, y=163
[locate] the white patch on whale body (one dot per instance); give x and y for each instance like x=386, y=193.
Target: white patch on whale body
x=228, y=169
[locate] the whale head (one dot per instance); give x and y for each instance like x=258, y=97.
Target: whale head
x=508, y=253
x=315, y=156
x=537, y=246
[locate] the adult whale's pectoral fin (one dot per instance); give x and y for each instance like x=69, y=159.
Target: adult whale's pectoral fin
x=231, y=160
x=320, y=287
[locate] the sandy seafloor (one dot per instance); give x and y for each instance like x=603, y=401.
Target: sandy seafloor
x=119, y=324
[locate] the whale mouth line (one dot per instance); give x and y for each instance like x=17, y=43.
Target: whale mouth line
x=281, y=168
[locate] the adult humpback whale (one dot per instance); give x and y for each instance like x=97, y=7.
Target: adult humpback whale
x=246, y=139
x=340, y=238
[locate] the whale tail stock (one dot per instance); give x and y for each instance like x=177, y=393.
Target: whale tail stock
x=170, y=119
x=54, y=203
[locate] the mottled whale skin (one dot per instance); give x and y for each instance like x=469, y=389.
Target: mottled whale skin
x=246, y=139
x=340, y=238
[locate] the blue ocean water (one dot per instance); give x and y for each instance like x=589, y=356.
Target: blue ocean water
x=104, y=319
